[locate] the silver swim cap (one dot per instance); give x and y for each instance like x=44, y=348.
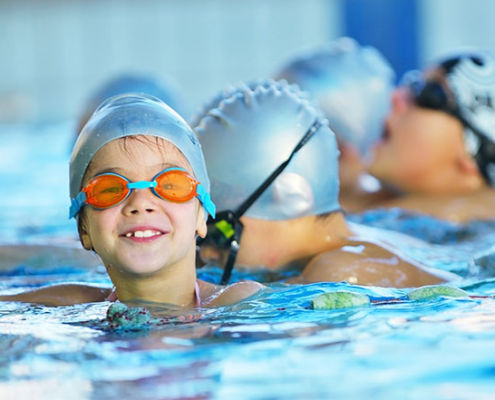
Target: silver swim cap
x=129, y=115
x=231, y=90
x=165, y=90
x=250, y=133
x=139, y=84
x=352, y=85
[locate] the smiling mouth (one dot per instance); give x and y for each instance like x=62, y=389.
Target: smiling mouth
x=148, y=233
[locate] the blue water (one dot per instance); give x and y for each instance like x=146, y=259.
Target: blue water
x=272, y=346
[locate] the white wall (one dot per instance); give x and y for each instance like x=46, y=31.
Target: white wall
x=56, y=53
x=448, y=25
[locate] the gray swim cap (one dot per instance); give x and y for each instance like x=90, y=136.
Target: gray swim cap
x=251, y=85
x=352, y=85
x=139, y=84
x=129, y=115
x=249, y=133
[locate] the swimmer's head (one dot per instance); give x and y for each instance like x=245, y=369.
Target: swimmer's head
x=439, y=135
x=249, y=132
x=352, y=85
x=470, y=76
x=134, y=115
x=133, y=83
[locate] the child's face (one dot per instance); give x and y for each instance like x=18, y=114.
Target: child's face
x=116, y=233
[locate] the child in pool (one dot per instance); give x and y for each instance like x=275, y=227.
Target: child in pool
x=140, y=193
x=438, y=146
x=273, y=162
x=352, y=86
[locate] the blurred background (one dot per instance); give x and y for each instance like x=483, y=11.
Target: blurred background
x=55, y=53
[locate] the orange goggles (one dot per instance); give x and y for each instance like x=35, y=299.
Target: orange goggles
x=109, y=189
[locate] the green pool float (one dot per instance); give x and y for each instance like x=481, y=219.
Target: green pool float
x=339, y=300
x=133, y=318
x=431, y=292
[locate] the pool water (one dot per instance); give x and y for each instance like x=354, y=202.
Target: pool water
x=271, y=346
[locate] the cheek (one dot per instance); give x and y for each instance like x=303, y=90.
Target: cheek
x=184, y=217
x=417, y=143
x=100, y=224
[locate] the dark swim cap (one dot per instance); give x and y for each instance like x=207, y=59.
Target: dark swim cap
x=471, y=78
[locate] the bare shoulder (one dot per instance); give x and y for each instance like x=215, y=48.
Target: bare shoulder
x=326, y=266
x=61, y=295
x=367, y=263
x=216, y=296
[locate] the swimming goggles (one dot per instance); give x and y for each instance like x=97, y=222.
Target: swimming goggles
x=224, y=231
x=109, y=189
x=432, y=95
x=429, y=94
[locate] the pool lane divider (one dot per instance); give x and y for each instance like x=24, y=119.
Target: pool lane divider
x=347, y=299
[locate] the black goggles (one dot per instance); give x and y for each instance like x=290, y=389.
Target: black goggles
x=225, y=231
x=432, y=95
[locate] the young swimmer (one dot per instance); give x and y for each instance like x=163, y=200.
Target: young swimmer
x=438, y=147
x=140, y=193
x=273, y=164
x=352, y=85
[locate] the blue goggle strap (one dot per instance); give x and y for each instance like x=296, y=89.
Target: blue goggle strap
x=76, y=204
x=205, y=199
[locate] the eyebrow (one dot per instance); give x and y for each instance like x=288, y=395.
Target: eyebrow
x=121, y=171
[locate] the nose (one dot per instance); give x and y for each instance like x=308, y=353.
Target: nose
x=140, y=201
x=400, y=99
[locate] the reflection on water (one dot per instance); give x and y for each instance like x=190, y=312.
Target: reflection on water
x=271, y=346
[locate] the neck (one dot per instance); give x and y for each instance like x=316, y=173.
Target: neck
x=448, y=181
x=330, y=232
x=174, y=284
x=316, y=235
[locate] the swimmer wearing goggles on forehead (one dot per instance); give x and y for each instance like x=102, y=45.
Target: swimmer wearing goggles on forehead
x=438, y=147
x=144, y=231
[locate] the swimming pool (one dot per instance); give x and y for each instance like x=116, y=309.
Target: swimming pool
x=268, y=347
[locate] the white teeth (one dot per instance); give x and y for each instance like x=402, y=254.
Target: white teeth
x=143, y=234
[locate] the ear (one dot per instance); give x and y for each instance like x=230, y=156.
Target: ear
x=466, y=164
x=201, y=222
x=83, y=233
x=400, y=99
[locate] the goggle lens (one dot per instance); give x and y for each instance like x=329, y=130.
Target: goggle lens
x=106, y=190
x=432, y=95
x=176, y=186
x=427, y=94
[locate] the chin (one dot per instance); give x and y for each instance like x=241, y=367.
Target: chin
x=141, y=267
